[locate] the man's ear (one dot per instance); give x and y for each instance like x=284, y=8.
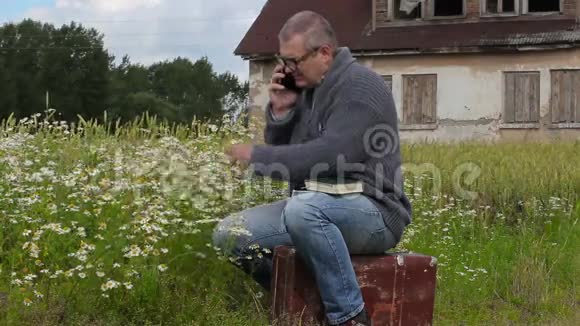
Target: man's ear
x=326, y=51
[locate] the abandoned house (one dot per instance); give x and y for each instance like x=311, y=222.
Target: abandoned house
x=457, y=69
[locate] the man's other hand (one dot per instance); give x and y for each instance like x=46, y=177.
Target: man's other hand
x=240, y=152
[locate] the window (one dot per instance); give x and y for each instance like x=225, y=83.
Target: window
x=419, y=99
x=448, y=8
x=543, y=5
x=565, y=96
x=389, y=82
x=407, y=9
x=522, y=97
x=499, y=6
x=419, y=9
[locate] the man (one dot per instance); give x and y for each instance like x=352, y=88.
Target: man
x=342, y=124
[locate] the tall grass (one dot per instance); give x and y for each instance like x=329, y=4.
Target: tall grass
x=109, y=224
x=506, y=173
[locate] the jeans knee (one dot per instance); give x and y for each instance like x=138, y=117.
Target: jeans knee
x=230, y=234
x=300, y=215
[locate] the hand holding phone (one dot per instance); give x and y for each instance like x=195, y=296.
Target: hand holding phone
x=290, y=83
x=283, y=91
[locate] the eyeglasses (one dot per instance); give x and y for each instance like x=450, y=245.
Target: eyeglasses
x=294, y=62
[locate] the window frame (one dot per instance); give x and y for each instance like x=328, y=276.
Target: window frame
x=427, y=12
x=431, y=11
x=388, y=79
x=521, y=9
x=500, y=13
x=526, y=4
x=391, y=13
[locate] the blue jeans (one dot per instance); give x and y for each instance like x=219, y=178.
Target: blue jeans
x=324, y=229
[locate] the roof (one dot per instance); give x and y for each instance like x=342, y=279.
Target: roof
x=348, y=17
x=468, y=35
x=351, y=20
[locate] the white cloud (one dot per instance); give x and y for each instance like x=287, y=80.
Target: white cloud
x=155, y=30
x=108, y=5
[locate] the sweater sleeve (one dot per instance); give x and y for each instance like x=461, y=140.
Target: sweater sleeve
x=342, y=142
x=279, y=131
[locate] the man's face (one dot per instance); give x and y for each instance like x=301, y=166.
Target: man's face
x=307, y=65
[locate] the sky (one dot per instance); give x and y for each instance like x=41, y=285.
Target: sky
x=153, y=30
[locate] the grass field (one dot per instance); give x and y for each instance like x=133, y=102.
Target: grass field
x=105, y=225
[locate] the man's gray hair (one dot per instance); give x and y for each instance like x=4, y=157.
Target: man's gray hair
x=316, y=30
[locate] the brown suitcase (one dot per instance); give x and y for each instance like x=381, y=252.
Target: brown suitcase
x=397, y=288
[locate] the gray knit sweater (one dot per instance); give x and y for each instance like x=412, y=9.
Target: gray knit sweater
x=345, y=127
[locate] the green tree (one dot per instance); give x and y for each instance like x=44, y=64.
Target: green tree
x=21, y=70
x=194, y=88
x=70, y=63
x=76, y=71
x=234, y=95
x=137, y=104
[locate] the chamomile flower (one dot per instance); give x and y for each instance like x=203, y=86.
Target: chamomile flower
x=162, y=267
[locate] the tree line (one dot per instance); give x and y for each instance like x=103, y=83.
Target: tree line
x=69, y=69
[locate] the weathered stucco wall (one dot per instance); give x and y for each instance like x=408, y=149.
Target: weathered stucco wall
x=260, y=74
x=470, y=92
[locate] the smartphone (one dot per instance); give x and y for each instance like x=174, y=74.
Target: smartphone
x=290, y=83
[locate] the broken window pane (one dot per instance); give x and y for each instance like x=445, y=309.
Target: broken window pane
x=407, y=9
x=448, y=8
x=509, y=5
x=543, y=5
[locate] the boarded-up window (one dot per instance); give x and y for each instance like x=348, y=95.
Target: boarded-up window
x=522, y=97
x=419, y=99
x=566, y=96
x=389, y=82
